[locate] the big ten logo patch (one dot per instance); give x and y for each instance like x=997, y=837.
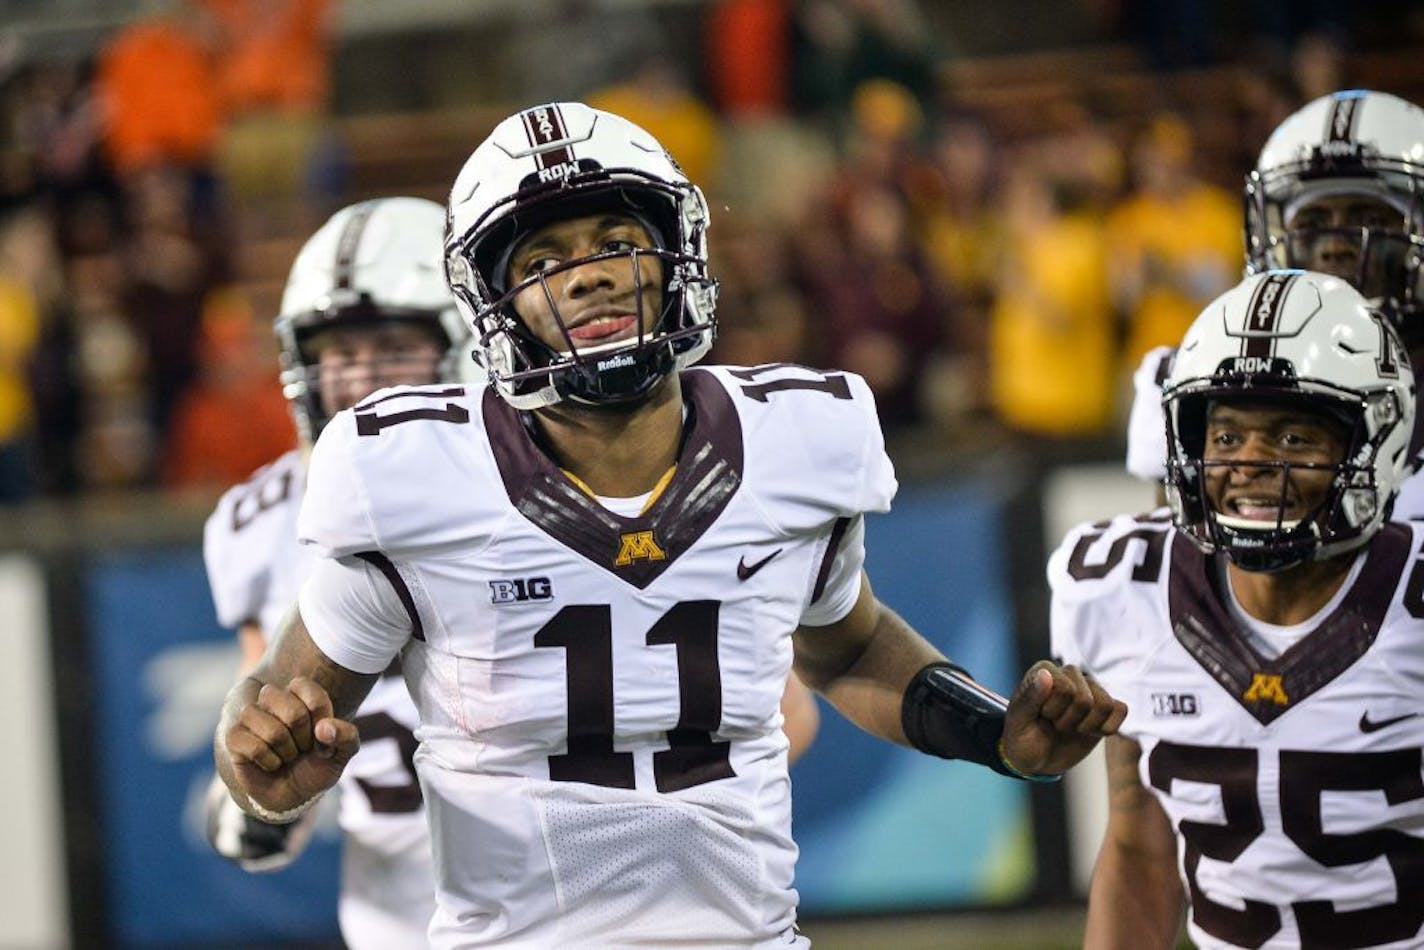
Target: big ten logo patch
x=521, y=590
x=1174, y=704
x=638, y=546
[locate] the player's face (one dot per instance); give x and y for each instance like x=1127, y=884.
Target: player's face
x=1327, y=235
x=596, y=303
x=353, y=362
x=1262, y=453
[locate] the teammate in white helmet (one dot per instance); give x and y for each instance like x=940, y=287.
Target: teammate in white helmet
x=365, y=307
x=1338, y=188
x=598, y=574
x=1266, y=637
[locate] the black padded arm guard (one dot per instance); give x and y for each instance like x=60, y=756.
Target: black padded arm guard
x=946, y=713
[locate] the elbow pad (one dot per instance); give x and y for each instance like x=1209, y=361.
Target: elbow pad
x=250, y=843
x=946, y=713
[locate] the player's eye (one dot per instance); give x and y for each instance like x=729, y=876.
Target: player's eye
x=1305, y=439
x=1374, y=218
x=538, y=265
x=1309, y=221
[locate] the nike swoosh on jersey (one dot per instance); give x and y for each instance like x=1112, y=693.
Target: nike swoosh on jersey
x=745, y=570
x=1366, y=725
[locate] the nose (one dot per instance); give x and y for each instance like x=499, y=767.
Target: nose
x=1337, y=253
x=361, y=374
x=586, y=278
x=1252, y=459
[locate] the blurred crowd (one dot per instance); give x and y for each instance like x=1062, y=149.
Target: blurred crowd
x=132, y=356
x=988, y=270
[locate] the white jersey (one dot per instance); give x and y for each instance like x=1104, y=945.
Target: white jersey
x=1293, y=783
x=255, y=569
x=1146, y=429
x=601, y=749
x=255, y=565
x=1147, y=436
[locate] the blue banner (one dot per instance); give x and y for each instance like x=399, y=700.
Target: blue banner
x=883, y=828
x=161, y=666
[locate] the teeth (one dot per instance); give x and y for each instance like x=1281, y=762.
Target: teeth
x=1257, y=510
x=1255, y=523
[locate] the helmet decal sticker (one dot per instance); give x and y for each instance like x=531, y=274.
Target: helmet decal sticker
x=1264, y=314
x=348, y=243
x=545, y=125
x=1343, y=119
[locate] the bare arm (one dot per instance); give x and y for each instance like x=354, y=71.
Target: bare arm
x=1136, y=897
x=864, y=663
x=284, y=735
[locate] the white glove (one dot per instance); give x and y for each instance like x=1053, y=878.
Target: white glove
x=252, y=844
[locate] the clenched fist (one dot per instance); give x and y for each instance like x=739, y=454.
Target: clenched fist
x=287, y=748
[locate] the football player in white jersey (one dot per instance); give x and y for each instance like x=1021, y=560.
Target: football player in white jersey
x=1268, y=638
x=597, y=574
x=365, y=307
x=1338, y=188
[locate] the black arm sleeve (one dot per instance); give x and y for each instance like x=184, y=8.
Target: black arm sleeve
x=946, y=713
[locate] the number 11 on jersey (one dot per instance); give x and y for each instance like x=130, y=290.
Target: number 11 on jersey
x=585, y=633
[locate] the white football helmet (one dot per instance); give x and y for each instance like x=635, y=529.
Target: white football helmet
x=1355, y=142
x=1312, y=340
x=371, y=262
x=554, y=162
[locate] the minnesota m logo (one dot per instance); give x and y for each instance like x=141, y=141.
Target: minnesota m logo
x=1266, y=687
x=638, y=545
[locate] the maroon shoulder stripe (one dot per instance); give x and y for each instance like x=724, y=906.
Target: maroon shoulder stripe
x=833, y=547
x=383, y=564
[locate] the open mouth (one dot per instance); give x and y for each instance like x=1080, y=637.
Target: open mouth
x=1249, y=510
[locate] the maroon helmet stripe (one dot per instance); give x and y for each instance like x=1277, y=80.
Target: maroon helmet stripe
x=545, y=125
x=1342, y=119
x=1264, y=315
x=349, y=241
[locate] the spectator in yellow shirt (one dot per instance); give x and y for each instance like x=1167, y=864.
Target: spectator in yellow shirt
x=22, y=239
x=1052, y=339
x=1174, y=241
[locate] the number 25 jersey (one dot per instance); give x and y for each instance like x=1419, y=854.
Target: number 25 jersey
x=600, y=741
x=1293, y=783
